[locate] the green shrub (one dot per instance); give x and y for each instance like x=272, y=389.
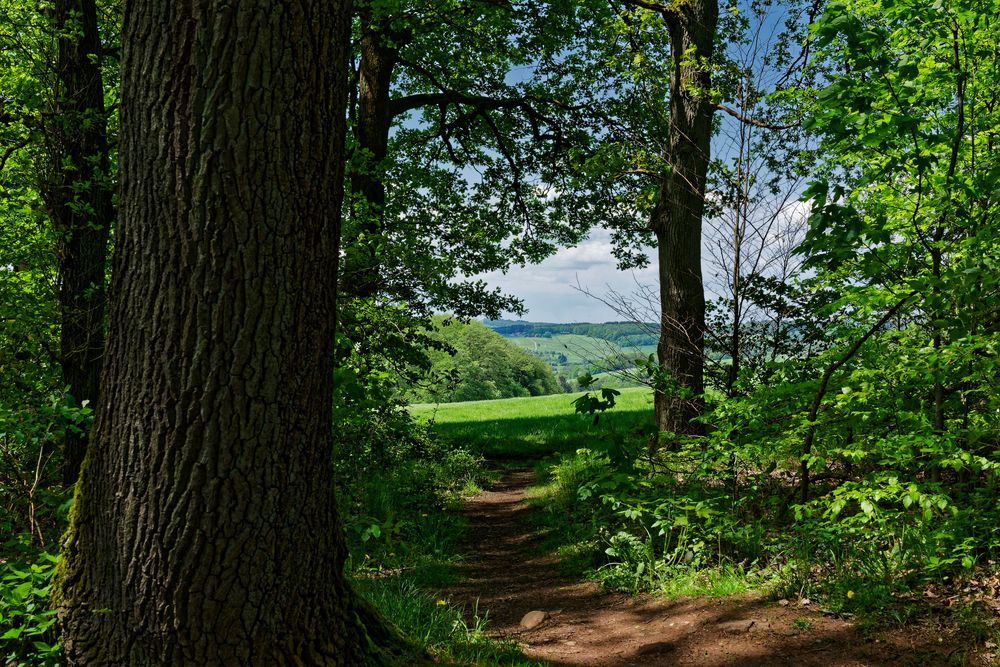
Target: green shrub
x=28, y=632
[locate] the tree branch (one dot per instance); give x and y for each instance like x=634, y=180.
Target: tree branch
x=11, y=150
x=652, y=6
x=753, y=121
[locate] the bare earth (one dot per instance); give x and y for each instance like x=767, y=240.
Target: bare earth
x=586, y=625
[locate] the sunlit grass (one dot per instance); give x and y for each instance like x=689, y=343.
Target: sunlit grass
x=537, y=426
x=631, y=400
x=450, y=633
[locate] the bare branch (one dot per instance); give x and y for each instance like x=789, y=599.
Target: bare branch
x=754, y=121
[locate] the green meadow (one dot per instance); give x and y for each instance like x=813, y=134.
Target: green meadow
x=576, y=348
x=540, y=425
x=573, y=354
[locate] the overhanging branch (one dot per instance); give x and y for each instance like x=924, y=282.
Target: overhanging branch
x=753, y=121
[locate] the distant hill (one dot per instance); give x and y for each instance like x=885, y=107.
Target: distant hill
x=603, y=350
x=484, y=366
x=621, y=333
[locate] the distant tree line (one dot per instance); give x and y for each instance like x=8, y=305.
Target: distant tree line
x=622, y=333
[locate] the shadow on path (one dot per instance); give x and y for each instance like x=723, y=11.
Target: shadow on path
x=504, y=578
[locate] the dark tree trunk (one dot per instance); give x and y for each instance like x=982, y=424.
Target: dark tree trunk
x=676, y=218
x=372, y=123
x=204, y=528
x=79, y=201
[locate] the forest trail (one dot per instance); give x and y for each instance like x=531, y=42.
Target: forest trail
x=505, y=576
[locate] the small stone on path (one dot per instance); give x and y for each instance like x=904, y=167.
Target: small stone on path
x=533, y=619
x=736, y=627
x=657, y=648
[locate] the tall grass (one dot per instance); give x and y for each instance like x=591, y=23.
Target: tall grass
x=439, y=627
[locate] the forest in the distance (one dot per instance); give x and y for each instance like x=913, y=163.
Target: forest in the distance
x=240, y=240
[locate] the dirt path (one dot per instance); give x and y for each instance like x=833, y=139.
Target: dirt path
x=585, y=625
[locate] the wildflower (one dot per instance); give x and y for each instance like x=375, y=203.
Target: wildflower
x=850, y=594
x=442, y=602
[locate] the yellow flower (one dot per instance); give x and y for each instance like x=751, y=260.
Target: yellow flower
x=442, y=602
x=850, y=594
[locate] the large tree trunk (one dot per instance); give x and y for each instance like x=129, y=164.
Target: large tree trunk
x=676, y=218
x=204, y=529
x=79, y=201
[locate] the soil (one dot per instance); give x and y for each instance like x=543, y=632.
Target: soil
x=506, y=576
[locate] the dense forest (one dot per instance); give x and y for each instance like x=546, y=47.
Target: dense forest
x=476, y=364
x=229, y=232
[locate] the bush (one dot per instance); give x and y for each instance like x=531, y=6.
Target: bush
x=28, y=632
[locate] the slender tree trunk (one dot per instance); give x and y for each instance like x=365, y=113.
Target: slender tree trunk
x=205, y=529
x=79, y=201
x=372, y=123
x=735, y=337
x=676, y=218
x=740, y=223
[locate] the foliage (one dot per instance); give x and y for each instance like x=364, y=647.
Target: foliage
x=394, y=476
x=32, y=500
x=28, y=636
x=28, y=334
x=483, y=366
x=852, y=434
x=461, y=93
x=592, y=404
x=396, y=513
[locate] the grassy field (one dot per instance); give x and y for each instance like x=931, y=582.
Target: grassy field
x=577, y=349
x=571, y=355
x=538, y=426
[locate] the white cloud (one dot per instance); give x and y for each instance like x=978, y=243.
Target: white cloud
x=549, y=288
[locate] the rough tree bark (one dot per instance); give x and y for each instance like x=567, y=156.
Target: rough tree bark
x=677, y=216
x=78, y=197
x=204, y=529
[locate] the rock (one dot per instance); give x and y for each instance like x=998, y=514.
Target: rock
x=736, y=627
x=655, y=649
x=805, y=602
x=533, y=619
x=783, y=602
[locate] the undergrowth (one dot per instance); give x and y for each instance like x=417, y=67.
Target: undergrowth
x=450, y=633
x=723, y=514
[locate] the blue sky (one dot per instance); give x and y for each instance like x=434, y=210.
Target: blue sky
x=548, y=289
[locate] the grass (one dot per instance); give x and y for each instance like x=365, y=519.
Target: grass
x=597, y=511
x=439, y=627
x=571, y=355
x=534, y=427
x=405, y=535
x=577, y=349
